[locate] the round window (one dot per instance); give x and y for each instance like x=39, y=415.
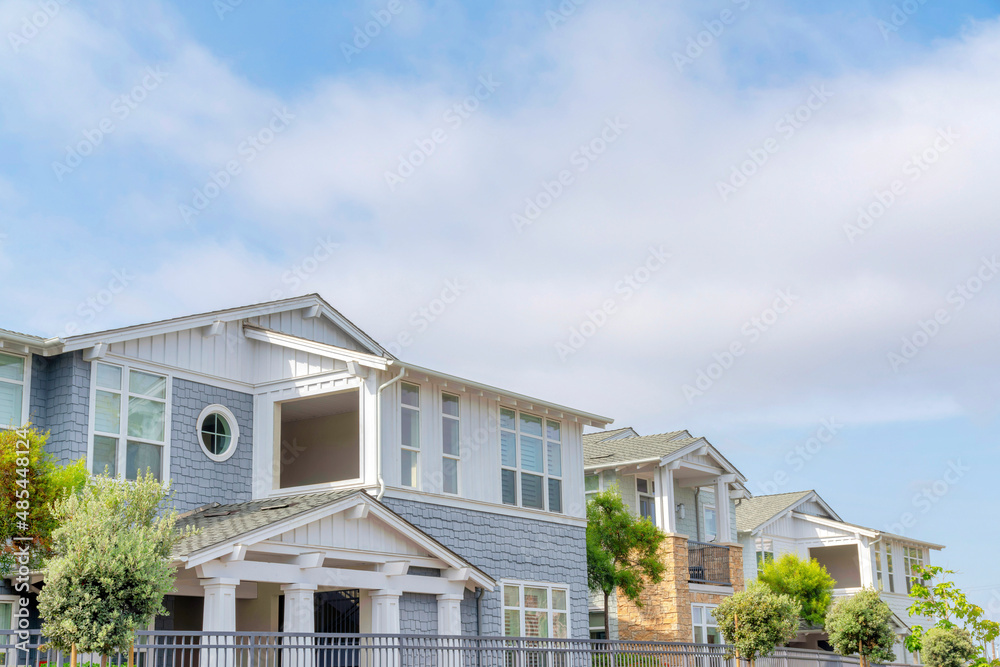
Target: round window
x=218, y=432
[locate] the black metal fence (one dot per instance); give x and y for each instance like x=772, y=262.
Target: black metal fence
x=263, y=649
x=708, y=563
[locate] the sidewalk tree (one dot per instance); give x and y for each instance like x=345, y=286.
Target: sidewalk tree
x=804, y=580
x=945, y=602
x=622, y=550
x=757, y=620
x=111, y=566
x=859, y=625
x=31, y=481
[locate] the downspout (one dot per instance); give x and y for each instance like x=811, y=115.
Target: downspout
x=479, y=613
x=378, y=431
x=697, y=515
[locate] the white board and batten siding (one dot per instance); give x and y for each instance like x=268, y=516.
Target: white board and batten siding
x=479, y=464
x=368, y=534
x=231, y=356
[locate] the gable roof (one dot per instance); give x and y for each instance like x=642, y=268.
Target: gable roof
x=222, y=526
x=633, y=450
x=752, y=513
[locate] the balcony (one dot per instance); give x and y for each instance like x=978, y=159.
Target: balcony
x=708, y=563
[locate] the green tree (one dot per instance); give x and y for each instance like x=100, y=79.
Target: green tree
x=112, y=565
x=860, y=625
x=948, y=647
x=805, y=581
x=757, y=620
x=622, y=550
x=30, y=482
x=945, y=602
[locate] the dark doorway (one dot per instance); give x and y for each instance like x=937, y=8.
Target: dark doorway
x=337, y=613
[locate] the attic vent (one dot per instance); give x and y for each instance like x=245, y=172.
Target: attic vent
x=210, y=515
x=602, y=456
x=275, y=507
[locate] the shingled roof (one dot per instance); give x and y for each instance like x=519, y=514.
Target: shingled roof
x=751, y=513
x=601, y=436
x=217, y=524
x=641, y=448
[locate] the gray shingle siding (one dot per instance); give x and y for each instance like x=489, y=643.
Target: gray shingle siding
x=507, y=547
x=196, y=479
x=418, y=614
x=59, y=402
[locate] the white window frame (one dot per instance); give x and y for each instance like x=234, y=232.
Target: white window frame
x=123, y=437
x=420, y=435
x=763, y=546
x=519, y=469
x=600, y=485
x=648, y=495
x=521, y=584
x=704, y=522
x=234, y=426
x=911, y=556
x=705, y=609
x=9, y=654
x=890, y=574
x=456, y=457
x=25, y=384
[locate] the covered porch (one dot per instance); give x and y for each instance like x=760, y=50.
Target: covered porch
x=334, y=562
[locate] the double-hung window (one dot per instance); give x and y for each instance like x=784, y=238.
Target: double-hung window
x=13, y=371
x=531, y=461
x=8, y=608
x=889, y=568
x=706, y=629
x=130, y=421
x=535, y=610
x=646, y=491
x=409, y=419
x=913, y=558
x=450, y=442
x=591, y=486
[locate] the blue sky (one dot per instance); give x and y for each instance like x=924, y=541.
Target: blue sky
x=749, y=160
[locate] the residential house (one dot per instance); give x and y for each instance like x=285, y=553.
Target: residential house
x=684, y=485
x=336, y=487
x=802, y=523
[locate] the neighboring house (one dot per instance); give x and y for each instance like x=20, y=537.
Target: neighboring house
x=336, y=488
x=687, y=488
x=856, y=557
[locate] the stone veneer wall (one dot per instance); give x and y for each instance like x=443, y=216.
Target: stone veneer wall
x=666, y=611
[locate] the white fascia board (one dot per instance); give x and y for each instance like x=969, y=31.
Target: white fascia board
x=815, y=496
x=850, y=529
x=312, y=347
x=596, y=421
x=24, y=344
x=712, y=452
x=227, y=315
x=619, y=464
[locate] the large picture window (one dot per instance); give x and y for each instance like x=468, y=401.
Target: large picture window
x=711, y=523
x=531, y=461
x=409, y=419
x=129, y=421
x=913, y=557
x=535, y=610
x=13, y=373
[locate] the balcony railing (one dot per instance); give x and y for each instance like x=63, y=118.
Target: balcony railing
x=708, y=563
x=262, y=649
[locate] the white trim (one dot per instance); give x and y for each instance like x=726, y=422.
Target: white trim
x=217, y=409
x=312, y=347
x=187, y=374
x=483, y=506
x=25, y=388
x=15, y=605
x=122, y=435
x=710, y=588
x=548, y=609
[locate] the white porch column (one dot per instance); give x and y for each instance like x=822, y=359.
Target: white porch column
x=385, y=621
x=300, y=616
x=666, y=512
x=220, y=616
x=450, y=614
x=450, y=624
x=724, y=531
